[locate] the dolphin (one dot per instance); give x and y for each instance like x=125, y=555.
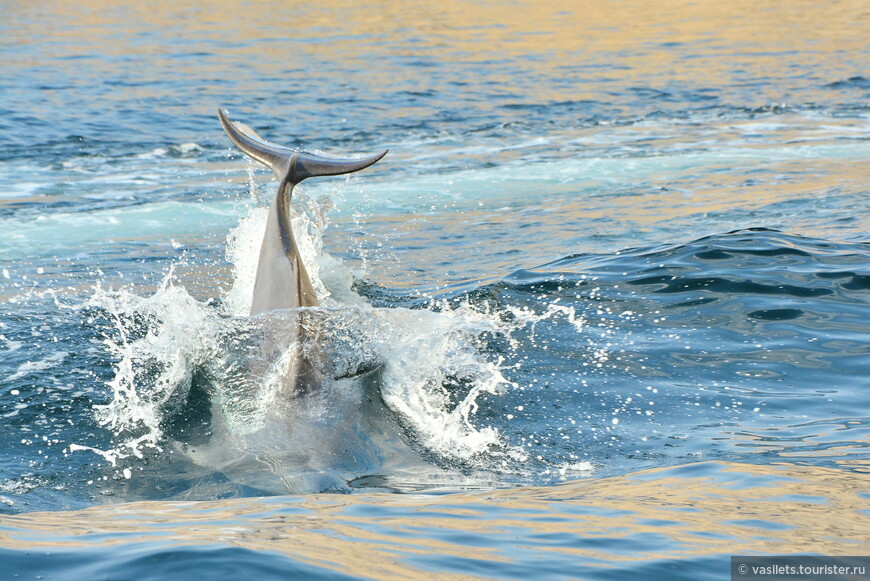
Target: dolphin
x=275, y=413
x=282, y=282
x=320, y=424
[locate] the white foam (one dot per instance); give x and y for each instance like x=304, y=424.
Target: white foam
x=181, y=149
x=29, y=367
x=419, y=348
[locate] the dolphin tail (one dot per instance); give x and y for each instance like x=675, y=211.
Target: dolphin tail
x=290, y=166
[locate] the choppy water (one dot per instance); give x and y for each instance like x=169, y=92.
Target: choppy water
x=613, y=277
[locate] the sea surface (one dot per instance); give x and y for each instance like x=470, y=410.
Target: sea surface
x=603, y=311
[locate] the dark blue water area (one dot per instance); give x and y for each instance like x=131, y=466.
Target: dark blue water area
x=157, y=561
x=149, y=560
x=152, y=561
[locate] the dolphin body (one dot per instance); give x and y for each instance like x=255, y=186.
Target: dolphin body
x=322, y=429
x=281, y=281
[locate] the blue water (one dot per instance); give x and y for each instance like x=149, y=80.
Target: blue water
x=612, y=281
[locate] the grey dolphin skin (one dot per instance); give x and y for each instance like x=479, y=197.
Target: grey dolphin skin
x=282, y=282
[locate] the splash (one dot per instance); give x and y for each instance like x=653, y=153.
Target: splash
x=433, y=370
x=421, y=364
x=156, y=343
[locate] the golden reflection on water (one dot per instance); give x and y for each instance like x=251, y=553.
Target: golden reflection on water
x=710, y=43
x=521, y=26
x=696, y=510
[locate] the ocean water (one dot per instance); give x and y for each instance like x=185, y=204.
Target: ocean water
x=611, y=288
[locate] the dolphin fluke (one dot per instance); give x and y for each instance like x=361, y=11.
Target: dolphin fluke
x=290, y=166
x=309, y=165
